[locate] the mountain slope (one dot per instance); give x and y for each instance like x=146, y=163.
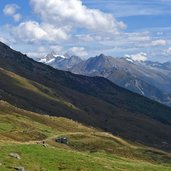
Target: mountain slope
x=93, y=101
x=23, y=132
x=164, y=66
x=150, y=79
x=64, y=62
x=102, y=64
x=138, y=77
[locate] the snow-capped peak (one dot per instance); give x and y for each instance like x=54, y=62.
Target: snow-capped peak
x=61, y=56
x=51, y=57
x=56, y=55
x=129, y=59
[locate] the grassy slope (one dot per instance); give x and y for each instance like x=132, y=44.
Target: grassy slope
x=88, y=148
x=31, y=95
x=94, y=101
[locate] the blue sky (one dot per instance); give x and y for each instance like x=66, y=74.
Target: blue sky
x=134, y=28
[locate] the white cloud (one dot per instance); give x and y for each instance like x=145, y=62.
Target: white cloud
x=29, y=31
x=159, y=42
x=35, y=54
x=78, y=51
x=138, y=57
x=58, y=22
x=11, y=10
x=17, y=17
x=56, y=33
x=128, y=40
x=168, y=51
x=4, y=40
x=56, y=48
x=75, y=14
x=59, y=19
x=32, y=31
x=38, y=53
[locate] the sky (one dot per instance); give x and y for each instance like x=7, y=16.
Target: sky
x=139, y=29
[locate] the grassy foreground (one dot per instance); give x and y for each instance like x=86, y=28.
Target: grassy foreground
x=89, y=149
x=39, y=158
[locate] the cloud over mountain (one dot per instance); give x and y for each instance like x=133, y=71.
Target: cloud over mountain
x=138, y=57
x=95, y=26
x=74, y=13
x=32, y=31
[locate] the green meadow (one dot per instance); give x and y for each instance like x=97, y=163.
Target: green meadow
x=88, y=149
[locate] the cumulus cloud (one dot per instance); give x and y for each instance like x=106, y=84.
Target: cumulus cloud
x=59, y=19
x=138, y=57
x=29, y=31
x=78, y=51
x=11, y=10
x=32, y=31
x=40, y=52
x=75, y=14
x=159, y=42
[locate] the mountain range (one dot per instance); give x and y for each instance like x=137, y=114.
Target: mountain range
x=147, y=78
x=93, y=101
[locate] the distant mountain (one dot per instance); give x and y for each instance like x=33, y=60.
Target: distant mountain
x=150, y=79
x=64, y=62
x=94, y=101
x=164, y=66
x=110, y=67
x=138, y=77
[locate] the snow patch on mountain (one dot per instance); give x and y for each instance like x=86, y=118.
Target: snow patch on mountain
x=63, y=62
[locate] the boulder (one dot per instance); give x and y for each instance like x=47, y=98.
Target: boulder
x=20, y=169
x=15, y=155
